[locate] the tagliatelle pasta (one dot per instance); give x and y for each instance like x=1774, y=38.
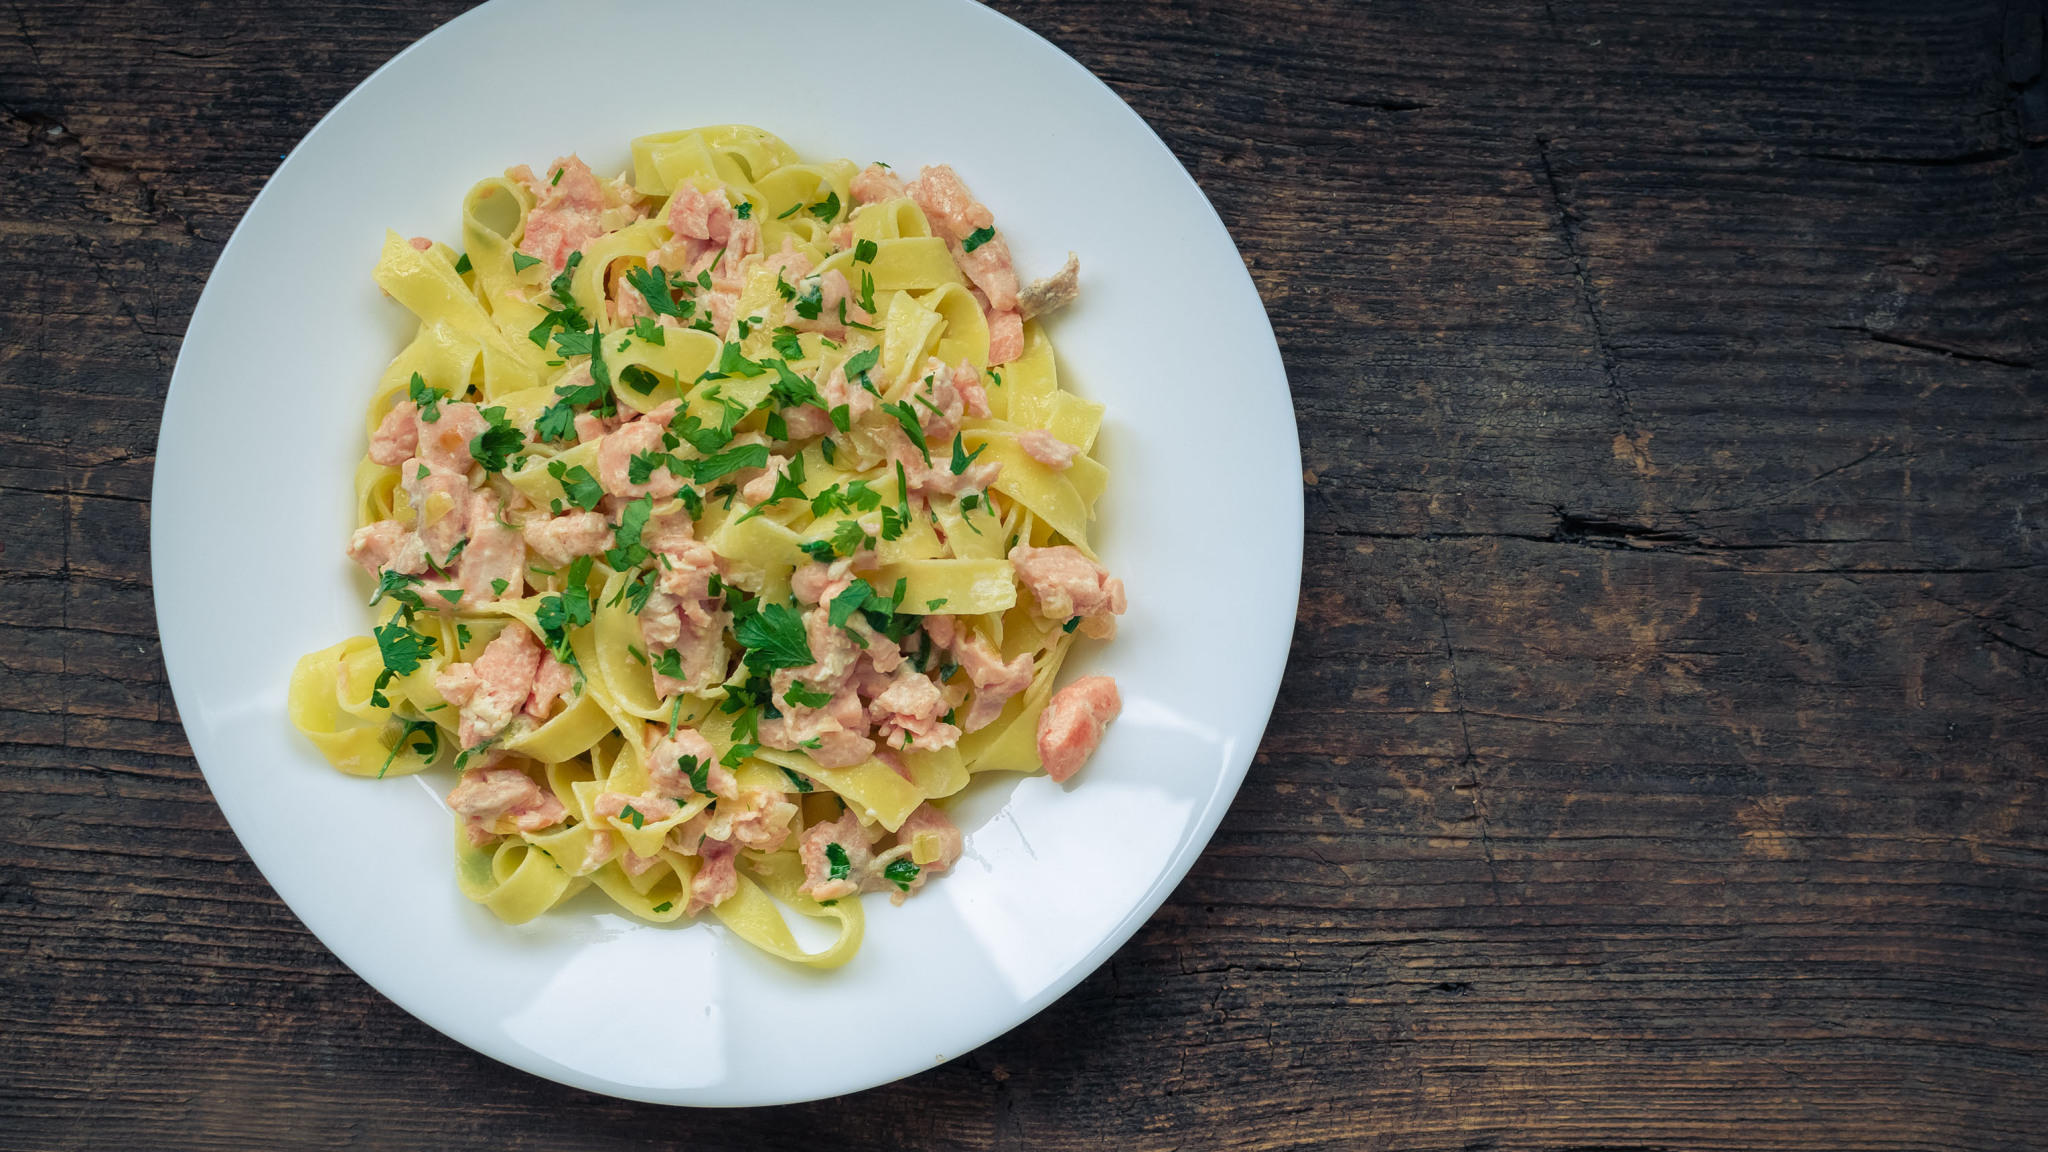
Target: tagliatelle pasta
x=726, y=517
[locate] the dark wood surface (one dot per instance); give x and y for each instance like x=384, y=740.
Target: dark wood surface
x=1661, y=760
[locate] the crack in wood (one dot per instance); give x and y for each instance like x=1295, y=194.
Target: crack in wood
x=1924, y=345
x=1569, y=230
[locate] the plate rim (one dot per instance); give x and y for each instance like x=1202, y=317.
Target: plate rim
x=1199, y=832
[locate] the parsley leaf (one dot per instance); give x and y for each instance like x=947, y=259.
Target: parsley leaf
x=867, y=295
x=627, y=549
x=841, y=866
x=977, y=238
x=802, y=785
x=571, y=609
x=774, y=638
x=636, y=592
x=653, y=286
x=790, y=389
x=744, y=209
x=827, y=209
x=631, y=813
x=859, y=364
x=670, y=664
x=907, y=417
x=644, y=328
x=848, y=602
x=429, y=745
x=786, y=343
x=732, y=363
x=961, y=457
x=811, y=301
x=556, y=422
x=395, y=585
x=901, y=872
x=731, y=460
x=864, y=252
x=799, y=696
x=521, y=261
x=495, y=444
x=402, y=648
x=640, y=379
x=850, y=537
x=699, y=772
x=427, y=399
x=462, y=265
x=581, y=487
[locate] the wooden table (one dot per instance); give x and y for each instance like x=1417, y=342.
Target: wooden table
x=1661, y=760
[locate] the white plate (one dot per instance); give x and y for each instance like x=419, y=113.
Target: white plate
x=263, y=428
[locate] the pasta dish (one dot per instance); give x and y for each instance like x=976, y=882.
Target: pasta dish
x=724, y=518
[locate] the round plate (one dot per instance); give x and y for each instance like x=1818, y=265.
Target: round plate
x=1202, y=519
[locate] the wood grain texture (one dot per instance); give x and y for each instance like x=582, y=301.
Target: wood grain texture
x=1661, y=759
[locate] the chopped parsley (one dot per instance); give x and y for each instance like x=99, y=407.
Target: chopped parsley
x=848, y=602
x=645, y=328
x=626, y=550
x=640, y=379
x=397, y=586
x=569, y=316
x=977, y=238
x=427, y=400
x=1071, y=624
x=698, y=771
x=521, y=261
x=836, y=856
x=901, y=872
x=786, y=343
x=451, y=595
x=669, y=664
x=578, y=484
x=799, y=696
x=828, y=208
x=788, y=485
x=801, y=784
x=569, y=609
x=864, y=252
x=907, y=417
x=935, y=605
x=495, y=444
x=631, y=813
x=731, y=460
x=774, y=638
x=665, y=905
x=811, y=302
x=462, y=265
x=790, y=389
x=744, y=210
x=403, y=648
x=654, y=285
x=961, y=457
x=429, y=745
x=498, y=587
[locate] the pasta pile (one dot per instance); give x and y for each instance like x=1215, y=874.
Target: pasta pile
x=724, y=516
